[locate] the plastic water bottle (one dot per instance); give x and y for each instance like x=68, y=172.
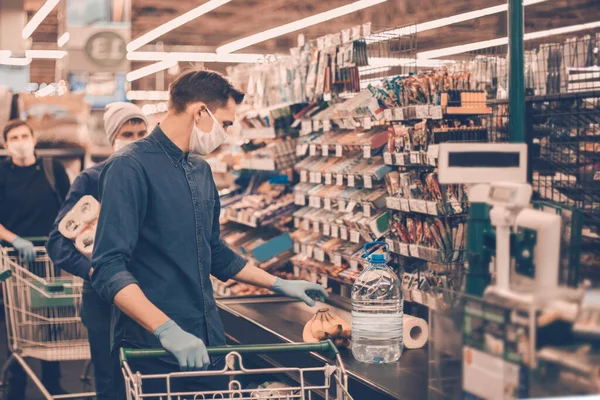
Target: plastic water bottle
x=377, y=311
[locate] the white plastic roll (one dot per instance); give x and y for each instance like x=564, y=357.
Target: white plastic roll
x=87, y=208
x=415, y=332
x=83, y=213
x=85, y=241
x=71, y=225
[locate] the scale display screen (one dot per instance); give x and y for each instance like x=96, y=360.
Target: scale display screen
x=484, y=159
x=502, y=194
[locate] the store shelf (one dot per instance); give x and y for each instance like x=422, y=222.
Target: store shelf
x=258, y=133
x=413, y=159
x=424, y=253
x=420, y=206
x=468, y=111
x=258, y=164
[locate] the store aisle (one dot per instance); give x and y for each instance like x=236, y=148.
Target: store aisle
x=71, y=370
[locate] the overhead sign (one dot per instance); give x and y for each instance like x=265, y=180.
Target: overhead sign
x=106, y=49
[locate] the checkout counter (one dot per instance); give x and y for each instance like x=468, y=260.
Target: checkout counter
x=260, y=320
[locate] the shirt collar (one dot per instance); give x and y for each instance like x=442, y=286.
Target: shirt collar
x=171, y=150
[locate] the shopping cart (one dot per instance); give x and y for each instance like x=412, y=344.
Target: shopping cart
x=42, y=312
x=325, y=380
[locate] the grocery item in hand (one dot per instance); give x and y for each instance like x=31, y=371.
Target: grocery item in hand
x=325, y=326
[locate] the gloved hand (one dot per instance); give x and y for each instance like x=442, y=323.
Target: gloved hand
x=301, y=290
x=189, y=350
x=25, y=248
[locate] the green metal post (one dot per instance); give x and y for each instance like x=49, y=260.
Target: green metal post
x=516, y=72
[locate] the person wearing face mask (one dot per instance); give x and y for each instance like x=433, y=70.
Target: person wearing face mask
x=124, y=123
x=32, y=190
x=158, y=237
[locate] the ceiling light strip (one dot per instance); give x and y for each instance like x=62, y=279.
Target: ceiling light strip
x=149, y=70
x=193, y=57
x=39, y=16
x=175, y=23
x=296, y=25
x=15, y=62
x=63, y=39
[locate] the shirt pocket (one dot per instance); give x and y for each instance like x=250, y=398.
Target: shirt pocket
x=207, y=210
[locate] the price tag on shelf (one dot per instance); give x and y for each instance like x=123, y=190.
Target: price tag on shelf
x=315, y=202
x=343, y=233
x=313, y=150
x=414, y=206
x=339, y=179
x=432, y=208
x=337, y=260
x=367, y=123
x=309, y=250
x=339, y=150
x=368, y=181
x=316, y=227
x=328, y=178
x=303, y=249
x=313, y=277
x=311, y=177
x=318, y=177
x=296, y=271
x=303, y=176
x=391, y=243
x=306, y=225
x=351, y=206
x=341, y=205
x=422, y=206
x=324, y=150
x=400, y=160
x=319, y=255
x=367, y=210
x=316, y=125
x=421, y=112
x=367, y=151
x=335, y=231
x=392, y=203
x=327, y=203
x=306, y=127
x=354, y=236
x=387, y=114
x=414, y=250
x=301, y=149
x=355, y=32
x=403, y=249
x=387, y=158
x=327, y=97
x=398, y=114
x=432, y=154
x=351, y=180
x=326, y=229
x=404, y=205
x=296, y=222
x=326, y=125
x=435, y=112
x=414, y=157
x=353, y=265
x=296, y=247
x=300, y=199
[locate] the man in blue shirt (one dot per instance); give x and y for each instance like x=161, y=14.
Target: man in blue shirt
x=158, y=238
x=124, y=123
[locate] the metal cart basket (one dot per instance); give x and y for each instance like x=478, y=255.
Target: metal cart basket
x=42, y=314
x=331, y=378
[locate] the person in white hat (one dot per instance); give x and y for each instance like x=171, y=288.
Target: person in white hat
x=124, y=123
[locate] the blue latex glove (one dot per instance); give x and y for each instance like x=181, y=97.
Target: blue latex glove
x=25, y=248
x=301, y=290
x=189, y=350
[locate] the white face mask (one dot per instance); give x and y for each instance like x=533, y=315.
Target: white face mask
x=120, y=143
x=205, y=143
x=22, y=149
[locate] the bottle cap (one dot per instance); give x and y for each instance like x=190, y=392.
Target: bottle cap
x=378, y=258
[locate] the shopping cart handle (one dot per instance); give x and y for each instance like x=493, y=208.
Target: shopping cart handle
x=326, y=347
x=5, y=274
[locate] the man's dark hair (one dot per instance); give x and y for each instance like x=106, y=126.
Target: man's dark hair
x=15, y=123
x=209, y=87
x=134, y=121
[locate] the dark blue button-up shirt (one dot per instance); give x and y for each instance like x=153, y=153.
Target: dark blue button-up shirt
x=61, y=250
x=159, y=228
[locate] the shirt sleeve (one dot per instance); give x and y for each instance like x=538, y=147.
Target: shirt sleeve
x=225, y=262
x=62, y=179
x=61, y=250
x=123, y=194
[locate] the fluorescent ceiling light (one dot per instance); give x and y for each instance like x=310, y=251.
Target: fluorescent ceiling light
x=438, y=23
x=296, y=25
x=47, y=54
x=193, y=57
x=175, y=23
x=63, y=39
x=448, y=51
x=16, y=62
x=149, y=69
x=37, y=19
x=147, y=95
x=5, y=53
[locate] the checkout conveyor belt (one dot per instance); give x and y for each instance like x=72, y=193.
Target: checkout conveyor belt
x=281, y=320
